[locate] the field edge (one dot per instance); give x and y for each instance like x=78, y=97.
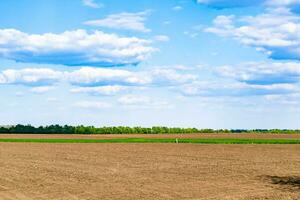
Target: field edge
x=155, y=140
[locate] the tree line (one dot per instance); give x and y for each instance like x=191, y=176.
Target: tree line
x=66, y=129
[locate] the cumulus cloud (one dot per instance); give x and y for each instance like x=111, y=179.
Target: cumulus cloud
x=262, y=73
x=220, y=4
x=133, y=99
x=41, y=89
x=92, y=104
x=177, y=8
x=234, y=88
x=30, y=76
x=73, y=48
x=53, y=99
x=275, y=32
x=142, y=101
x=246, y=79
x=89, y=76
x=229, y=3
x=282, y=2
x=161, y=38
x=290, y=99
x=97, y=81
x=125, y=20
x=108, y=90
x=92, y=4
x=171, y=77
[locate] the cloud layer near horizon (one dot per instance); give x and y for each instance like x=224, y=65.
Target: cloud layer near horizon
x=245, y=79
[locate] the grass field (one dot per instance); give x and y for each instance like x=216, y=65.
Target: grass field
x=156, y=140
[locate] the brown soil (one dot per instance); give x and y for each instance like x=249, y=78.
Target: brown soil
x=148, y=171
x=197, y=135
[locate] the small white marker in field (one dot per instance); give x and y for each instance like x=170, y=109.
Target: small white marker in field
x=176, y=141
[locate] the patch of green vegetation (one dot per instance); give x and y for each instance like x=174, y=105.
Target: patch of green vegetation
x=157, y=140
x=58, y=129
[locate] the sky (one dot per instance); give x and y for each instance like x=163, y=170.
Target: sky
x=180, y=63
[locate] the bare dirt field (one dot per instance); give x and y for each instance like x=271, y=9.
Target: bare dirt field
x=195, y=135
x=148, y=171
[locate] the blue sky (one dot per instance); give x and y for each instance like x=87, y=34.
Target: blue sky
x=200, y=63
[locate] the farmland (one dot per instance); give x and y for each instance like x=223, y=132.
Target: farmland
x=150, y=170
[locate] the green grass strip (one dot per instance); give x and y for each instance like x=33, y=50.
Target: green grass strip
x=156, y=140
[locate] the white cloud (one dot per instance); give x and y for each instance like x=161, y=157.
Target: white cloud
x=242, y=3
x=182, y=67
x=126, y=21
x=41, y=89
x=108, y=90
x=30, y=76
x=290, y=99
x=92, y=77
x=282, y=2
x=246, y=79
x=73, y=48
x=171, y=77
x=142, y=102
x=191, y=34
x=53, y=99
x=162, y=38
x=19, y=94
x=92, y=4
x=234, y=88
x=89, y=76
x=262, y=73
x=177, y=8
x=133, y=99
x=230, y=3
x=276, y=32
x=92, y=105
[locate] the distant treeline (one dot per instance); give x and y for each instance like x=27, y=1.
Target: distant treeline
x=57, y=129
